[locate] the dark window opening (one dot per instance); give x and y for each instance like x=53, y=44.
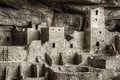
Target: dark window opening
x=71, y=45
x=8, y=38
x=86, y=12
x=24, y=38
x=36, y=27
x=53, y=45
x=96, y=12
x=58, y=29
x=17, y=39
x=97, y=44
x=0, y=37
x=52, y=29
x=87, y=24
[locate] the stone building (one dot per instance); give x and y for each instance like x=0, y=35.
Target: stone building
x=12, y=36
x=57, y=39
x=19, y=36
x=5, y=35
x=97, y=26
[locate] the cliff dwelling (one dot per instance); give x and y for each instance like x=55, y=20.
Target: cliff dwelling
x=59, y=39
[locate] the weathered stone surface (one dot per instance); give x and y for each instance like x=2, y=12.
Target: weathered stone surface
x=76, y=30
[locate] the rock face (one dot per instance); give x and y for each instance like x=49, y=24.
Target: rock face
x=26, y=9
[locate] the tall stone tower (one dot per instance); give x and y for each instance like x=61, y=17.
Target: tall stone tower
x=97, y=28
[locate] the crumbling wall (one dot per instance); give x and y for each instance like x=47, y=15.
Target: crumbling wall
x=5, y=36
x=19, y=36
x=54, y=75
x=18, y=70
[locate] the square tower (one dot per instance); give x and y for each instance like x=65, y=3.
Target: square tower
x=97, y=27
x=56, y=38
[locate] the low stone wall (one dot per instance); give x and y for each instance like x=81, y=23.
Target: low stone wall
x=16, y=70
x=72, y=75
x=42, y=78
x=70, y=68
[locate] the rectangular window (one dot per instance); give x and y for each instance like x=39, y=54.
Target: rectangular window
x=17, y=39
x=96, y=12
x=0, y=38
x=8, y=39
x=71, y=45
x=53, y=45
x=36, y=27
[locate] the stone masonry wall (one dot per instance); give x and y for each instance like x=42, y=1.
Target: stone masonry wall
x=12, y=53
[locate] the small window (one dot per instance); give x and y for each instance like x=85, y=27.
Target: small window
x=52, y=29
x=8, y=38
x=53, y=45
x=36, y=27
x=87, y=24
x=17, y=39
x=97, y=44
x=58, y=29
x=0, y=38
x=71, y=45
x=96, y=12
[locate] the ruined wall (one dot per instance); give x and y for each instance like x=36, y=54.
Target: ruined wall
x=16, y=69
x=12, y=53
x=19, y=36
x=5, y=35
x=70, y=75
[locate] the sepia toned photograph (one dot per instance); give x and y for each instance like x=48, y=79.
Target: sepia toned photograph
x=59, y=39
